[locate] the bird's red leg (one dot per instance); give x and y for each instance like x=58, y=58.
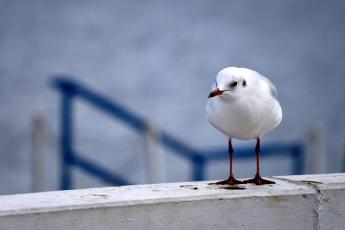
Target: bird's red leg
x=231, y=180
x=258, y=180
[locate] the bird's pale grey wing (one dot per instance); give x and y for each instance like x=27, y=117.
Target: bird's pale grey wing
x=272, y=88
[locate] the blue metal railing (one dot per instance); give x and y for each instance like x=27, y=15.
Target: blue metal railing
x=71, y=90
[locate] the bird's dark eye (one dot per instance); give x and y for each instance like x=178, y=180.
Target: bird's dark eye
x=233, y=84
x=244, y=83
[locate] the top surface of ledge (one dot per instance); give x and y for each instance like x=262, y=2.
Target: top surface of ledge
x=158, y=193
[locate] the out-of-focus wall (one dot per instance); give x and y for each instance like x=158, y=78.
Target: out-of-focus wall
x=163, y=56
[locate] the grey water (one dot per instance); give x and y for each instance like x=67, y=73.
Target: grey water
x=159, y=58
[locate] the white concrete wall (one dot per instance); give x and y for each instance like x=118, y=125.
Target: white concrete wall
x=294, y=202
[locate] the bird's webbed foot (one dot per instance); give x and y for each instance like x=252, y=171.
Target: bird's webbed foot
x=258, y=180
x=230, y=181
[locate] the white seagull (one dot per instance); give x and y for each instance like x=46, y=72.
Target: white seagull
x=243, y=104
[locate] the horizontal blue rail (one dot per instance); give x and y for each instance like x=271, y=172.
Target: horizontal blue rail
x=70, y=90
x=96, y=170
x=115, y=109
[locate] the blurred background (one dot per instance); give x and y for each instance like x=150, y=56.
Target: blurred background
x=156, y=60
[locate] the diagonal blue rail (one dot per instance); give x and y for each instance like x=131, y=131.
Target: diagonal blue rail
x=72, y=90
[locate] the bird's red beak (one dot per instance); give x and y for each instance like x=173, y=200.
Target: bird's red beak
x=215, y=92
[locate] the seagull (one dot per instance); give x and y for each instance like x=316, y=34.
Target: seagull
x=243, y=104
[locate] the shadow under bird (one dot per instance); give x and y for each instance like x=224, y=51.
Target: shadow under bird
x=243, y=104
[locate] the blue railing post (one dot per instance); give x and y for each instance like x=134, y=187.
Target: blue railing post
x=66, y=138
x=298, y=158
x=198, y=173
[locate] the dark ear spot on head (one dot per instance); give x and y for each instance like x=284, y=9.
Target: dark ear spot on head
x=244, y=83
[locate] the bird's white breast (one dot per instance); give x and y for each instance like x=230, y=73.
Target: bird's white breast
x=247, y=117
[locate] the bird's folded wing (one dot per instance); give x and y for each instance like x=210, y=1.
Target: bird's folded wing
x=273, y=89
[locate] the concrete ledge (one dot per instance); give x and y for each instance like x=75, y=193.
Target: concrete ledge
x=294, y=202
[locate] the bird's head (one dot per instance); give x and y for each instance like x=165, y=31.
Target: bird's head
x=231, y=82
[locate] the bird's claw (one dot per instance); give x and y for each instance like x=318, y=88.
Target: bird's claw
x=258, y=181
x=230, y=181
